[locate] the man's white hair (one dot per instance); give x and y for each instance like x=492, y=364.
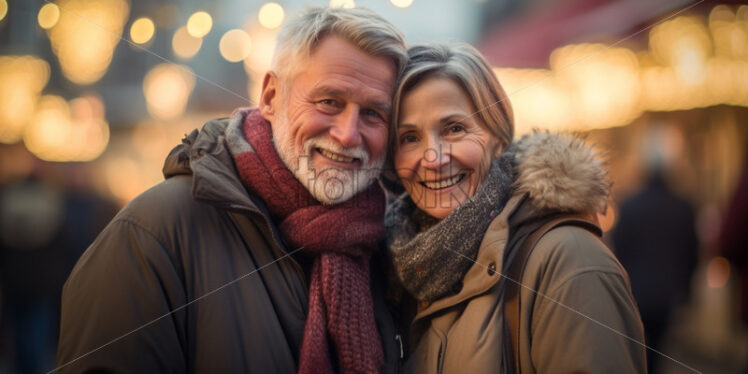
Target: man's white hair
x=360, y=26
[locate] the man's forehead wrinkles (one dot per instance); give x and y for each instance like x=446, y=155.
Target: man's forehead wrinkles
x=383, y=77
x=328, y=90
x=369, y=78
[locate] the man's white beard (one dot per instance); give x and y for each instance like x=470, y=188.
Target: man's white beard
x=333, y=185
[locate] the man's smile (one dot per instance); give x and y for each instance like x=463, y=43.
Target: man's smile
x=347, y=161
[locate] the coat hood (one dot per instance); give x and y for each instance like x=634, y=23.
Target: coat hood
x=559, y=171
x=205, y=155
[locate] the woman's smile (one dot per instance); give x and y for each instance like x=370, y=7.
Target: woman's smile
x=443, y=152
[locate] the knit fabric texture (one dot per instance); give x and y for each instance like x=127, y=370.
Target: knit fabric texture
x=432, y=256
x=341, y=239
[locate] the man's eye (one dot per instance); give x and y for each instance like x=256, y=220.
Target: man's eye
x=330, y=102
x=370, y=112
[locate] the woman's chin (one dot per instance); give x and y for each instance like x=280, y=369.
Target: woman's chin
x=439, y=208
x=438, y=213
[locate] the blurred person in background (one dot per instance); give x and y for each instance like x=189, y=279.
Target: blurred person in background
x=31, y=218
x=734, y=240
x=655, y=240
x=279, y=204
x=44, y=227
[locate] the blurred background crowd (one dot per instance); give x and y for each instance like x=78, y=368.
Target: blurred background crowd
x=94, y=93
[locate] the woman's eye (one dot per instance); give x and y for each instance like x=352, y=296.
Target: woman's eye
x=456, y=128
x=408, y=139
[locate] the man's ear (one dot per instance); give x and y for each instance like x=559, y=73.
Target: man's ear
x=268, y=96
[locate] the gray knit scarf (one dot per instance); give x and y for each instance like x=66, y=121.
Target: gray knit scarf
x=430, y=256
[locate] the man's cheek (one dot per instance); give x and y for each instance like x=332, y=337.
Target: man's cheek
x=377, y=144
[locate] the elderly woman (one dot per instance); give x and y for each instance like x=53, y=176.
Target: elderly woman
x=497, y=242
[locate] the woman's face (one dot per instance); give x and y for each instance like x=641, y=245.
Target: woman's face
x=443, y=151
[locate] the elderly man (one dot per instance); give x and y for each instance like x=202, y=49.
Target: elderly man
x=254, y=254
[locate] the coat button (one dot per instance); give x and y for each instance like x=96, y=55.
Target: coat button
x=491, y=269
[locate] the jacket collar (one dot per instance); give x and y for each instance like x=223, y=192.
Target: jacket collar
x=484, y=274
x=205, y=155
x=555, y=173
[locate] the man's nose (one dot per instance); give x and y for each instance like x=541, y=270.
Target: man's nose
x=346, y=129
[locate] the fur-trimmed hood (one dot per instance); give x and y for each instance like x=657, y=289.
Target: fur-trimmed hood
x=560, y=171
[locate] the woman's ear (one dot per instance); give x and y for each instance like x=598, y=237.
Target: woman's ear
x=498, y=150
x=268, y=96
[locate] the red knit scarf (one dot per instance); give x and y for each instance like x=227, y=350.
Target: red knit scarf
x=341, y=238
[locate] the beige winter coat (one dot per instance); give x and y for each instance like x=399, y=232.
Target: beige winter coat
x=577, y=312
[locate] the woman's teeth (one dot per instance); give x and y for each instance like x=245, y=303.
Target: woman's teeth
x=335, y=156
x=444, y=183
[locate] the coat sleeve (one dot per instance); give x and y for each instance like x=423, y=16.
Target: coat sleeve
x=116, y=305
x=585, y=319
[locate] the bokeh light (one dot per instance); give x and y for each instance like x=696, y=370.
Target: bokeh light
x=258, y=62
x=142, y=30
x=602, y=83
x=48, y=16
x=124, y=178
x=729, y=32
x=526, y=88
x=85, y=37
x=684, y=44
x=185, y=46
x=271, y=15
x=402, y=3
x=151, y=140
x=63, y=132
x=263, y=45
x=167, y=88
x=589, y=86
x=717, y=272
x=22, y=79
x=347, y=4
x=235, y=45
x=3, y=9
x=199, y=24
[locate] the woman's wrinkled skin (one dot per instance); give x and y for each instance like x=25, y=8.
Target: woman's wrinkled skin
x=443, y=151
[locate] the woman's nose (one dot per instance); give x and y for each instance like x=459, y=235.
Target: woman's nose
x=435, y=156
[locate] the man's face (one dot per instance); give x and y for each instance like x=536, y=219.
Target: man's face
x=330, y=121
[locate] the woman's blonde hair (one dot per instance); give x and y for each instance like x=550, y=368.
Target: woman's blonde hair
x=467, y=67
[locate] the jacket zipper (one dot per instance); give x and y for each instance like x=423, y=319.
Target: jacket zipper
x=402, y=352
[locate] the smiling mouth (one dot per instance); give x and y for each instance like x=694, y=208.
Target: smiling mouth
x=444, y=183
x=336, y=156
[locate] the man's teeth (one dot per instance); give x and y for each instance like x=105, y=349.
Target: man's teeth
x=443, y=183
x=335, y=156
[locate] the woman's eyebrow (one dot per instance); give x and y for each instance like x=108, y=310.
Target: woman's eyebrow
x=454, y=116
